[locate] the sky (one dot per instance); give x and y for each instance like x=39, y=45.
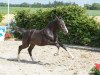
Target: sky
x=80, y=2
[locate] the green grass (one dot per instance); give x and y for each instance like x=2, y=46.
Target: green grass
x=3, y=10
x=93, y=12
x=13, y=10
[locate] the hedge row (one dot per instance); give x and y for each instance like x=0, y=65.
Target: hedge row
x=1, y=17
x=82, y=29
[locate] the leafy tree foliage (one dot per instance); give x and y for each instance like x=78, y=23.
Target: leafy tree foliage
x=54, y=4
x=94, y=6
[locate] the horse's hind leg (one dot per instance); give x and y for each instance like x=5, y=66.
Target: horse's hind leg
x=30, y=51
x=19, y=50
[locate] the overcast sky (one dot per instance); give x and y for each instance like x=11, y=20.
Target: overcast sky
x=80, y=2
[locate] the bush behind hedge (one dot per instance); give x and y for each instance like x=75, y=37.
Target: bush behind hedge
x=82, y=29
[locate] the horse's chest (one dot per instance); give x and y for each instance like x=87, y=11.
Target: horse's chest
x=49, y=35
x=47, y=38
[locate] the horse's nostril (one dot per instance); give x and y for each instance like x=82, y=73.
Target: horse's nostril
x=66, y=32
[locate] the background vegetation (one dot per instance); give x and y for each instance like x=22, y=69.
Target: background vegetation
x=13, y=10
x=82, y=29
x=1, y=17
x=94, y=6
x=39, y=5
x=93, y=12
x=92, y=9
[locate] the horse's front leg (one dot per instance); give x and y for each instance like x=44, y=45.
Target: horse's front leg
x=66, y=50
x=58, y=46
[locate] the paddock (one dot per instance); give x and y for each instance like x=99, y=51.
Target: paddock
x=45, y=63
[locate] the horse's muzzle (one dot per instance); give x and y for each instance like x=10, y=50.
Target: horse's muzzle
x=65, y=31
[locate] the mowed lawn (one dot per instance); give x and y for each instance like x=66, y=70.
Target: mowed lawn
x=13, y=10
x=3, y=10
x=93, y=12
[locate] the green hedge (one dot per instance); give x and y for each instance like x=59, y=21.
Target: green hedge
x=82, y=29
x=1, y=17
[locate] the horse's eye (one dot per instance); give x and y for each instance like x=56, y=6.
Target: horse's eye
x=59, y=17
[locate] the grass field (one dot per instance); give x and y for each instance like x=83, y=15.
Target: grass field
x=3, y=10
x=93, y=12
x=13, y=10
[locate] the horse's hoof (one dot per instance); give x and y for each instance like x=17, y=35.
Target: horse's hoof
x=56, y=54
x=18, y=60
x=70, y=57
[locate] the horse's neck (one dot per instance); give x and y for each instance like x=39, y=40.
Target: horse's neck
x=49, y=34
x=52, y=27
x=51, y=30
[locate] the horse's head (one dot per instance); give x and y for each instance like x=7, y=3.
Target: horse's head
x=61, y=24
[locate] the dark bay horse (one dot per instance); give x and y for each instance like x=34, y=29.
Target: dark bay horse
x=46, y=36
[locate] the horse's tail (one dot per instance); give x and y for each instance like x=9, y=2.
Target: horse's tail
x=20, y=30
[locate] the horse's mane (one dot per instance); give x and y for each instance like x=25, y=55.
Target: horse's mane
x=51, y=23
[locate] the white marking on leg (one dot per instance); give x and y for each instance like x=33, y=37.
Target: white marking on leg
x=18, y=58
x=70, y=54
x=32, y=58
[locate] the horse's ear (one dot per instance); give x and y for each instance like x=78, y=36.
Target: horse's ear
x=59, y=17
x=56, y=17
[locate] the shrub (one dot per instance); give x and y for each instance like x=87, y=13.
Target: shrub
x=1, y=17
x=82, y=29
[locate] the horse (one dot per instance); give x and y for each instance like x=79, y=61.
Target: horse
x=45, y=36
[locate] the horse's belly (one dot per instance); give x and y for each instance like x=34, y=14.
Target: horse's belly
x=39, y=41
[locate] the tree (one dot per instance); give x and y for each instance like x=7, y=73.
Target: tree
x=87, y=6
x=3, y=4
x=24, y=4
x=94, y=6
